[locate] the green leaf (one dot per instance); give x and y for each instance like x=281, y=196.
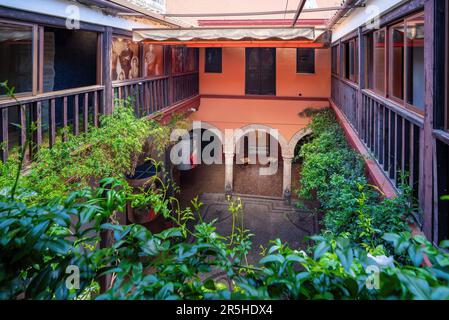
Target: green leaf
x=320, y=250
x=272, y=258
x=209, y=284
x=170, y=233
x=346, y=258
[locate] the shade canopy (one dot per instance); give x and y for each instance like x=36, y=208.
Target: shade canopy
x=229, y=37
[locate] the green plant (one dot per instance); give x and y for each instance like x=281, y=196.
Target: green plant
x=352, y=207
x=111, y=150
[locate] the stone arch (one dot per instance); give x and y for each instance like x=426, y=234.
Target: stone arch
x=298, y=136
x=254, y=127
x=207, y=126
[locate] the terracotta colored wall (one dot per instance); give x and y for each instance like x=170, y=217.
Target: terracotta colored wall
x=283, y=115
x=233, y=114
x=288, y=82
x=232, y=79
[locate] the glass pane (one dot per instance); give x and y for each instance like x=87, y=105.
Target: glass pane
x=415, y=61
x=397, y=61
x=70, y=59
x=350, y=61
x=379, y=60
x=16, y=56
x=369, y=61
x=305, y=60
x=213, y=60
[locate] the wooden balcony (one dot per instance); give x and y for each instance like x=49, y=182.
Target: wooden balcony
x=80, y=108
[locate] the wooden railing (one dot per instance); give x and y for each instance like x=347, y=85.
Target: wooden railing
x=392, y=134
x=76, y=110
x=152, y=95
x=48, y=112
x=185, y=85
x=147, y=96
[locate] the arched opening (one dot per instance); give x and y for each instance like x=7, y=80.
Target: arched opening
x=258, y=165
x=297, y=164
x=205, y=174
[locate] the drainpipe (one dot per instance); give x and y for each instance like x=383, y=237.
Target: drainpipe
x=348, y=6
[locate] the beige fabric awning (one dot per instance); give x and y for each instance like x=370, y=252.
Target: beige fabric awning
x=223, y=34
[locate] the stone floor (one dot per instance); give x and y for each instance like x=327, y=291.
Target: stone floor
x=267, y=218
x=266, y=215
x=210, y=179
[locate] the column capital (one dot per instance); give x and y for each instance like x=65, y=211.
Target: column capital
x=287, y=156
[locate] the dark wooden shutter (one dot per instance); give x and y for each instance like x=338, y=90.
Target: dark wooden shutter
x=260, y=71
x=213, y=60
x=305, y=60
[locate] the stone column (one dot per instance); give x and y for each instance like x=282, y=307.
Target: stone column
x=229, y=151
x=229, y=172
x=287, y=180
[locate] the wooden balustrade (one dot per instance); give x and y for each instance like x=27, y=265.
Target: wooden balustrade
x=48, y=112
x=185, y=86
x=392, y=134
x=56, y=112
x=146, y=96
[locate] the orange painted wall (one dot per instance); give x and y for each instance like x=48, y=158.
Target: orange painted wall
x=234, y=114
x=283, y=115
x=288, y=82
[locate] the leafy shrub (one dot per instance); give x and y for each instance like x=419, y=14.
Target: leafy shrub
x=352, y=207
x=111, y=150
x=38, y=243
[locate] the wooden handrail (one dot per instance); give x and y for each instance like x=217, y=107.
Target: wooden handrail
x=184, y=74
x=48, y=96
x=122, y=83
x=396, y=108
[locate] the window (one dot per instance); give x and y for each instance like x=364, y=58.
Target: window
x=64, y=52
x=305, y=60
x=415, y=62
x=396, y=66
x=213, y=60
x=369, y=61
x=335, y=59
x=350, y=55
x=16, y=56
x=260, y=76
x=379, y=61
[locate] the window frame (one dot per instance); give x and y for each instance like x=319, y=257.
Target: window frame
x=259, y=49
x=221, y=61
x=36, y=55
x=346, y=54
x=374, y=89
x=403, y=102
x=368, y=66
x=335, y=65
x=298, y=64
x=390, y=81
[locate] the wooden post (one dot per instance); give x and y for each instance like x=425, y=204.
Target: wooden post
x=428, y=146
x=168, y=71
x=108, y=98
x=361, y=76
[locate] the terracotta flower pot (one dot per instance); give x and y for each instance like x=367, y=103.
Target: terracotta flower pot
x=141, y=215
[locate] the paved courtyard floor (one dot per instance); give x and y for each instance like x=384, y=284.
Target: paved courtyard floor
x=266, y=218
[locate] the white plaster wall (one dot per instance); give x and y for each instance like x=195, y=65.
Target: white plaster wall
x=360, y=16
x=58, y=8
